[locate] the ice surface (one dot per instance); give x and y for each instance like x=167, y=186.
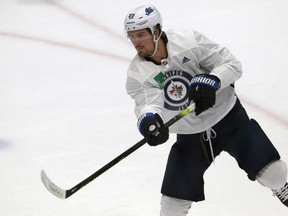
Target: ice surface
x=64, y=106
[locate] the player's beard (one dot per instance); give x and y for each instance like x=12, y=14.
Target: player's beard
x=144, y=52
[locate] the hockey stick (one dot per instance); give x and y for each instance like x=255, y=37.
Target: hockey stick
x=63, y=194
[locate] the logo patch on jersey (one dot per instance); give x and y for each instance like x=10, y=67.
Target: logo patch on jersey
x=159, y=78
x=176, y=85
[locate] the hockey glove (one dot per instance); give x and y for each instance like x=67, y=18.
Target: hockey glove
x=203, y=91
x=151, y=127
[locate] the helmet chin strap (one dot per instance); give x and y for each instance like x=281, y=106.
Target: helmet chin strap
x=156, y=44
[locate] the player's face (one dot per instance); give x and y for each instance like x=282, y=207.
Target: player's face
x=142, y=41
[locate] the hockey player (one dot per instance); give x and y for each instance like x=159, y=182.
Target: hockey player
x=172, y=69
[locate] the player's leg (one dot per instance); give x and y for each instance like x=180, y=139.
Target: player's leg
x=259, y=158
x=174, y=207
x=183, y=179
x=274, y=176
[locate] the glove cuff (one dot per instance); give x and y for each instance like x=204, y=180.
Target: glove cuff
x=146, y=121
x=207, y=80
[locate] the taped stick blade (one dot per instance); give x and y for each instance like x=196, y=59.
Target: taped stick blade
x=53, y=188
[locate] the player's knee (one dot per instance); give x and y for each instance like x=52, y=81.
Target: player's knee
x=174, y=207
x=274, y=175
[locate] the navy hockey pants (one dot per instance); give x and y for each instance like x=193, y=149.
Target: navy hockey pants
x=236, y=134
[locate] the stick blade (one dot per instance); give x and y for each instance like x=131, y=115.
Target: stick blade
x=53, y=188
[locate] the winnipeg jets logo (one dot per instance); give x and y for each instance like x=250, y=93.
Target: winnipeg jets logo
x=176, y=90
x=176, y=85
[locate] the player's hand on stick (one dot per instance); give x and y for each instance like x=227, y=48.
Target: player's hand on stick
x=203, y=91
x=151, y=126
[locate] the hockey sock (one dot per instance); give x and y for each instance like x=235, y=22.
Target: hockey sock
x=274, y=175
x=174, y=207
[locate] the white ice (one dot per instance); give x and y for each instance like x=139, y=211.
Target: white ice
x=64, y=108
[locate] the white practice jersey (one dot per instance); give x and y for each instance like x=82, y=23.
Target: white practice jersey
x=163, y=88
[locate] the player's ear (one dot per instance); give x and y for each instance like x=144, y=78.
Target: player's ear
x=157, y=30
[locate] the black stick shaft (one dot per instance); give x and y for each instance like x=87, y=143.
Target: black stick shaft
x=126, y=153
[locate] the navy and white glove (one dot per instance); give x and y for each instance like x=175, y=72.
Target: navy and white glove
x=151, y=127
x=203, y=91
